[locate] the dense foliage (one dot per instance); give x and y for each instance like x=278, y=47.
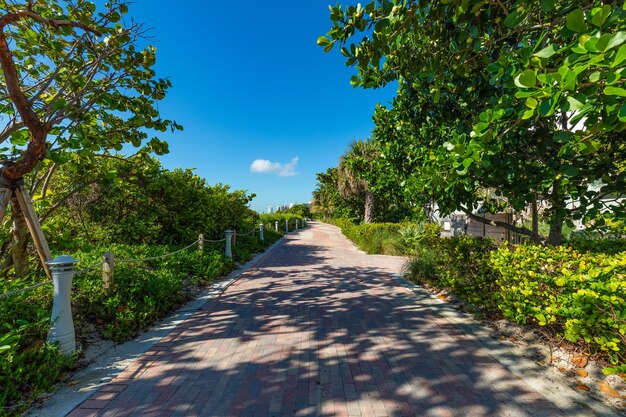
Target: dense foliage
x=151, y=205
x=521, y=98
x=356, y=189
x=576, y=294
x=77, y=81
x=388, y=238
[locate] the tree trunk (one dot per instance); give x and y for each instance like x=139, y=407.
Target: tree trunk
x=19, y=248
x=535, y=215
x=370, y=201
x=555, y=237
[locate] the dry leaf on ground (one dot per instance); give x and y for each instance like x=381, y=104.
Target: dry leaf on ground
x=606, y=388
x=580, y=361
x=583, y=387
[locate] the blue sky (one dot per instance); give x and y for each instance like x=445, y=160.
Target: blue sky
x=249, y=83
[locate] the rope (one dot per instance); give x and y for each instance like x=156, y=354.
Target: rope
x=129, y=261
x=246, y=234
x=98, y=265
x=21, y=290
x=89, y=268
x=214, y=241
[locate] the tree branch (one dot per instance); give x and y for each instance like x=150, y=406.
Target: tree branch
x=55, y=23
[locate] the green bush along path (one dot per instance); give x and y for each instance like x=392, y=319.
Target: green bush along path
x=318, y=328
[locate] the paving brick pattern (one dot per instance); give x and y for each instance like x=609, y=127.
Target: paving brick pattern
x=316, y=329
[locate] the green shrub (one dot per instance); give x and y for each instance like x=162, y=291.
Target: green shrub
x=423, y=267
x=28, y=365
x=414, y=238
x=463, y=266
x=578, y=294
x=608, y=245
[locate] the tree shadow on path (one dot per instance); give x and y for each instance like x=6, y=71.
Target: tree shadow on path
x=305, y=335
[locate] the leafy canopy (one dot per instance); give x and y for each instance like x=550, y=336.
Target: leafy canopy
x=77, y=80
x=523, y=98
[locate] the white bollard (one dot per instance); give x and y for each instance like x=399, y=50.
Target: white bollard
x=261, y=230
x=276, y=225
x=62, y=329
x=296, y=224
x=286, y=226
x=229, y=236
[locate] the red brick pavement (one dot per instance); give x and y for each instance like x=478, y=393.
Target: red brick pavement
x=317, y=329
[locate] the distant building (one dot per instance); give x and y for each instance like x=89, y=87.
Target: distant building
x=270, y=209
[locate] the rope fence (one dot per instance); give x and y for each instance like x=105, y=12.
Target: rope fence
x=154, y=258
x=246, y=234
x=110, y=269
x=62, y=270
x=21, y=290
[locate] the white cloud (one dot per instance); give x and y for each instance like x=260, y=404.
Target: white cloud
x=264, y=166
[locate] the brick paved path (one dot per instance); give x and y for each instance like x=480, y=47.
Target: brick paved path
x=318, y=329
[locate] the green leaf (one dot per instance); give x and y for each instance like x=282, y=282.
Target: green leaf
x=546, y=107
x=613, y=78
x=541, y=319
x=599, y=15
x=20, y=138
x=618, y=38
x=614, y=91
x=588, y=147
x=526, y=79
x=603, y=42
x=58, y=104
x=620, y=56
x=574, y=103
x=575, y=21
x=622, y=113
x=513, y=19
x=561, y=137
x=570, y=171
x=323, y=41
x=547, y=5
x=547, y=52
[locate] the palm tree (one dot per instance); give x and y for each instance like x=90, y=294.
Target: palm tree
x=352, y=173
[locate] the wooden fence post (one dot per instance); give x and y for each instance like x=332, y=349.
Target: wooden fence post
x=108, y=270
x=200, y=243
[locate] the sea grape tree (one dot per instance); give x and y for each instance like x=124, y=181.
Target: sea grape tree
x=77, y=83
x=75, y=79
x=522, y=98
